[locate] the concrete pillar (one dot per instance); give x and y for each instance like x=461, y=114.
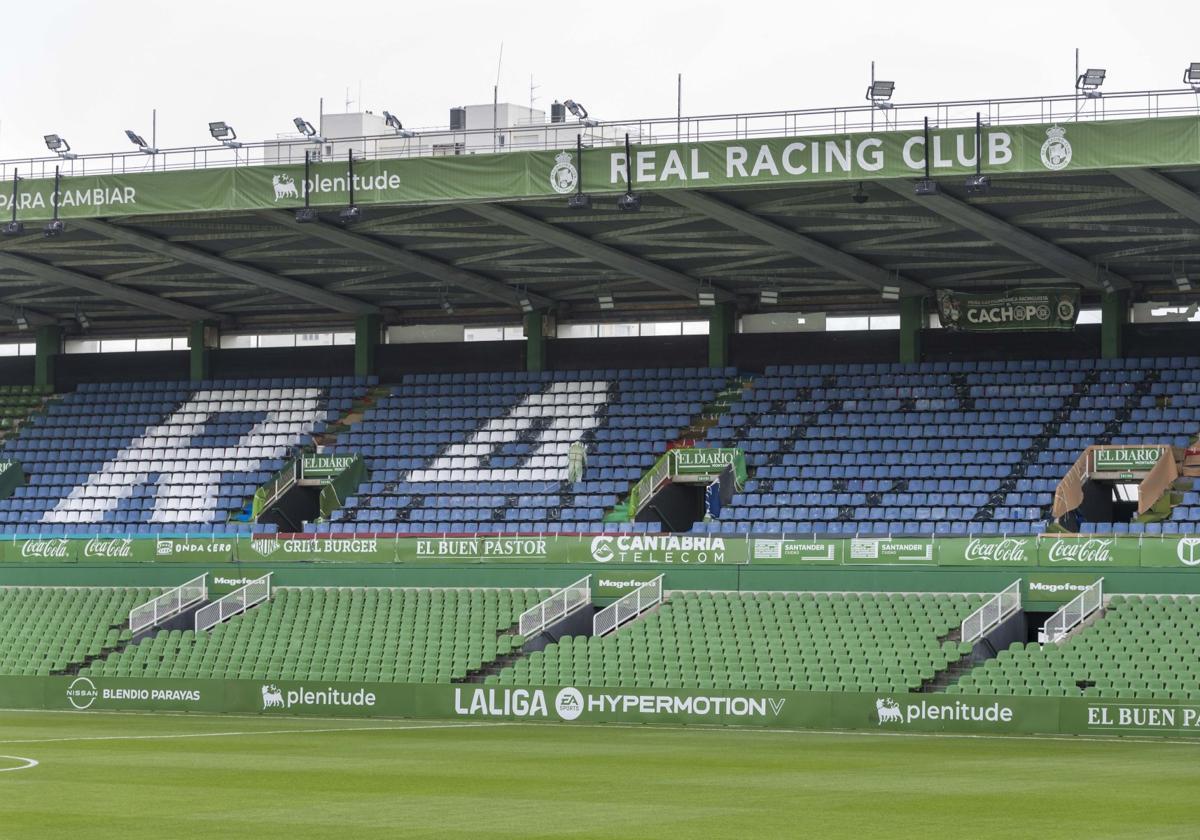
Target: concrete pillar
x=721, y=321
x=1114, y=315
x=47, y=346
x=535, y=342
x=366, y=339
x=912, y=321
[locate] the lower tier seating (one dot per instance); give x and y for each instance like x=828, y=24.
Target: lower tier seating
x=778, y=641
x=45, y=629
x=373, y=635
x=1143, y=646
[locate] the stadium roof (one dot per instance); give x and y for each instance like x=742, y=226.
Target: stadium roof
x=1124, y=214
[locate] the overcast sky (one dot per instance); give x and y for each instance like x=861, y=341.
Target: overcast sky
x=87, y=69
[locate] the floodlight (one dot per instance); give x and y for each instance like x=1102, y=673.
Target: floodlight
x=526, y=304
x=140, y=141
x=447, y=307
x=1191, y=76
x=629, y=202
x=59, y=146
x=393, y=122
x=22, y=321
x=579, y=201
x=577, y=110
x=769, y=297
x=605, y=300
x=82, y=319
x=1089, y=82
x=879, y=92
x=706, y=297
x=13, y=228
x=306, y=128
x=54, y=228
x=223, y=132
x=978, y=184
x=349, y=215
x=926, y=186
x=306, y=214
x=890, y=293
x=859, y=196
x=1183, y=283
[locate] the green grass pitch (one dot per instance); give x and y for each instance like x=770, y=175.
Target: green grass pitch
x=173, y=776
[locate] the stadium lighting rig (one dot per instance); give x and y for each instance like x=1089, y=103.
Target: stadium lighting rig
x=978, y=183
x=224, y=134
x=13, y=227
x=393, y=122
x=140, y=141
x=55, y=226
x=1191, y=76
x=1089, y=82
x=22, y=321
x=605, y=300
x=350, y=213
x=926, y=186
x=879, y=93
x=579, y=200
x=629, y=202
x=306, y=128
x=526, y=304
x=577, y=110
x=706, y=297
x=306, y=214
x=59, y=146
x=768, y=297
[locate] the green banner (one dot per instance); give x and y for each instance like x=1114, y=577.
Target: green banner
x=314, y=466
x=1126, y=459
x=1012, y=149
x=887, y=712
x=1023, y=309
x=606, y=585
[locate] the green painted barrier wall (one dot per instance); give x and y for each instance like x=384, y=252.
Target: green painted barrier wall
x=975, y=714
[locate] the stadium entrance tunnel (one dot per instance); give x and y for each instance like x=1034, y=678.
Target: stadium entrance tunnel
x=679, y=505
x=300, y=504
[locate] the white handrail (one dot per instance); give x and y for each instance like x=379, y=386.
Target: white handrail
x=628, y=607
x=237, y=601
x=994, y=610
x=558, y=606
x=1072, y=614
x=168, y=604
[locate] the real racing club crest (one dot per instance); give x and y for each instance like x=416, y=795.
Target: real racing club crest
x=564, y=176
x=1056, y=151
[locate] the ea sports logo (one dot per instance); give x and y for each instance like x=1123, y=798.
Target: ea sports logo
x=1186, y=551
x=82, y=693
x=602, y=550
x=569, y=703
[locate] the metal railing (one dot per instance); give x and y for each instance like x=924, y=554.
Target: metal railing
x=558, y=606
x=428, y=142
x=628, y=607
x=279, y=484
x=994, y=610
x=649, y=483
x=168, y=604
x=1072, y=614
x=237, y=601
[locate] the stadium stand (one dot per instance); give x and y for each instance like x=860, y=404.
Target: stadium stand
x=379, y=635
x=487, y=452
x=777, y=641
x=1142, y=647
x=46, y=630
x=945, y=448
x=19, y=404
x=152, y=458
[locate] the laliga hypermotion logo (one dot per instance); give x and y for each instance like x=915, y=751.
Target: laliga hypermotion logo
x=564, y=176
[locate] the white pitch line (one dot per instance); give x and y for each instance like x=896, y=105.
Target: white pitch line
x=297, y=731
x=29, y=764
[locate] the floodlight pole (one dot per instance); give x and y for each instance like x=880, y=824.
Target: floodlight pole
x=54, y=199
x=350, y=173
x=872, y=90
x=978, y=146
x=628, y=166
x=14, y=196
x=307, y=178
x=579, y=163
x=927, y=148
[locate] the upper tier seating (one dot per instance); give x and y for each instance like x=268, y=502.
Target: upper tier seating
x=1144, y=646
x=946, y=448
x=153, y=457
x=778, y=641
x=45, y=629
x=488, y=452
x=373, y=635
